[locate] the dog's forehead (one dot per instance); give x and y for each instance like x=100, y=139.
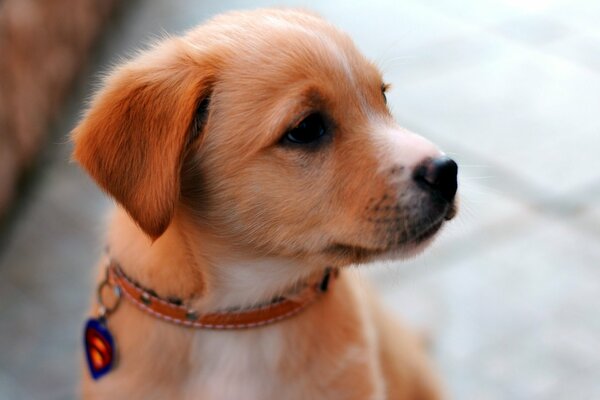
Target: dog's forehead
x=282, y=45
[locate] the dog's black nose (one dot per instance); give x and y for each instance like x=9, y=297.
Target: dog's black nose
x=438, y=175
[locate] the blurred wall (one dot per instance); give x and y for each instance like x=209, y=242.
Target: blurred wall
x=43, y=44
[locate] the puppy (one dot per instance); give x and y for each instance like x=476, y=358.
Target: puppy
x=252, y=160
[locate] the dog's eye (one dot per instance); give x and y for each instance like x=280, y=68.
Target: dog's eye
x=309, y=130
x=384, y=88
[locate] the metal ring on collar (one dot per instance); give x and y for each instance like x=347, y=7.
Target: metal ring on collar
x=104, y=309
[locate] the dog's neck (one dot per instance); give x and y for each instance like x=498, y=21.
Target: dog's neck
x=196, y=266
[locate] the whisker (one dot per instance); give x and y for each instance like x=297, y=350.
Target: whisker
x=463, y=178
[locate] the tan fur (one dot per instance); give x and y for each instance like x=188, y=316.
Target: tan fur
x=227, y=216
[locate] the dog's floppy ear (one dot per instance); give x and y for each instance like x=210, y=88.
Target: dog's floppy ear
x=132, y=139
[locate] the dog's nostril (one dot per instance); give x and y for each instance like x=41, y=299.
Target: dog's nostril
x=438, y=175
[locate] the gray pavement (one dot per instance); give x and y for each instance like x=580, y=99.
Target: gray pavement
x=509, y=294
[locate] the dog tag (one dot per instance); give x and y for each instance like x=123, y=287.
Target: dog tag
x=99, y=347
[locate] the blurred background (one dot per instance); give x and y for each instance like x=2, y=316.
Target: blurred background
x=510, y=293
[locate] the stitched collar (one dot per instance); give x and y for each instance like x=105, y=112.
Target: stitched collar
x=173, y=310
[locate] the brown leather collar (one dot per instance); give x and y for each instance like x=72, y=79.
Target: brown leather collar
x=173, y=311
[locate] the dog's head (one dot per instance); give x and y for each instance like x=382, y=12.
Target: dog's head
x=269, y=129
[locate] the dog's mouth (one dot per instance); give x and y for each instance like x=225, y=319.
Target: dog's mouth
x=353, y=252
x=428, y=232
x=452, y=211
x=400, y=244
x=409, y=245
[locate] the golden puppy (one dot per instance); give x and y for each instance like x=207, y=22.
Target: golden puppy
x=251, y=159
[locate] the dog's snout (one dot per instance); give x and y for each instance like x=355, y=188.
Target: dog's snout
x=438, y=175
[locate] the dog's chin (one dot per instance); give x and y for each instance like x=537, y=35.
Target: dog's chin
x=351, y=254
